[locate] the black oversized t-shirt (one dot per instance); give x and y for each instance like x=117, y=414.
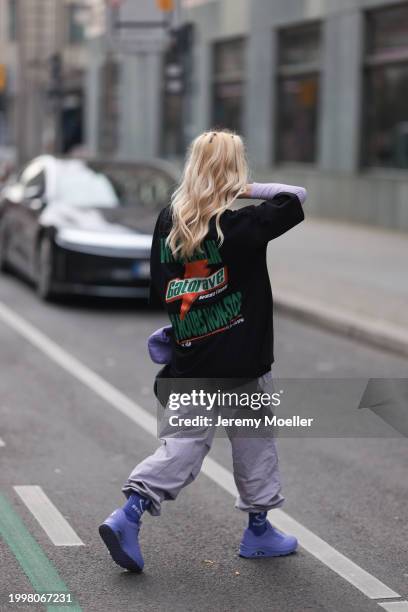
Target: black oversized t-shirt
x=219, y=301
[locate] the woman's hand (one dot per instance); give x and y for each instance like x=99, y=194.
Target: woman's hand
x=246, y=193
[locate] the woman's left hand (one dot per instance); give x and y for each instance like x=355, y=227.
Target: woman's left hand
x=246, y=193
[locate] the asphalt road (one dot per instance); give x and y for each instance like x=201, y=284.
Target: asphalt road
x=60, y=435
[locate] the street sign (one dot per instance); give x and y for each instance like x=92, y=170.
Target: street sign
x=137, y=27
x=165, y=5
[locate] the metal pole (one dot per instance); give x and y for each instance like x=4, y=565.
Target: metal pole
x=59, y=48
x=22, y=97
x=177, y=14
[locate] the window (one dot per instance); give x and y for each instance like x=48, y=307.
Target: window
x=37, y=182
x=3, y=105
x=32, y=179
x=12, y=20
x=76, y=28
x=78, y=185
x=228, y=84
x=385, y=111
x=298, y=93
x=177, y=92
x=33, y=173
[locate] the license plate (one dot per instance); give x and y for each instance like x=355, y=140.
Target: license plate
x=141, y=269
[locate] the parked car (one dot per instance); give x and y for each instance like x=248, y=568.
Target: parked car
x=83, y=227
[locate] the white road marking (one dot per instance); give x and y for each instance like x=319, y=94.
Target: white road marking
x=51, y=520
x=395, y=606
x=2, y=443
x=81, y=372
x=340, y=564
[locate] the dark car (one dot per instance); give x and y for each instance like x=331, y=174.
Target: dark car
x=83, y=227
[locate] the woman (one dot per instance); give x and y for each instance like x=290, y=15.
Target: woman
x=208, y=267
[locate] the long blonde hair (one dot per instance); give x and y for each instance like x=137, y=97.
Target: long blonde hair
x=215, y=173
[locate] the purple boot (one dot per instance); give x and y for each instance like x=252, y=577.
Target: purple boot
x=272, y=543
x=121, y=538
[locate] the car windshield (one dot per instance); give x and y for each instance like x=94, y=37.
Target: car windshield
x=79, y=185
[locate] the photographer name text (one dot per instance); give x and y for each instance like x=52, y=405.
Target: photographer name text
x=253, y=422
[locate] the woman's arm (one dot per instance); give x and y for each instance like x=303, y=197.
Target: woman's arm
x=267, y=191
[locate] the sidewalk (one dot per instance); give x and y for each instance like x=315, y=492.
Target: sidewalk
x=352, y=279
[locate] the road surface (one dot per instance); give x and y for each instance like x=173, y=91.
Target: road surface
x=73, y=374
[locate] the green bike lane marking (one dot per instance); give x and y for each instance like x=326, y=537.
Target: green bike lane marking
x=40, y=571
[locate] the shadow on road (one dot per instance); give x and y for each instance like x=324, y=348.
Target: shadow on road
x=87, y=302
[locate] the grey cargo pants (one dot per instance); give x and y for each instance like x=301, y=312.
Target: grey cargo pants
x=177, y=462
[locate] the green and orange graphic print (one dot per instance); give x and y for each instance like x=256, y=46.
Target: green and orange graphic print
x=203, y=278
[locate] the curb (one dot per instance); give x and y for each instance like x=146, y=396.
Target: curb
x=376, y=332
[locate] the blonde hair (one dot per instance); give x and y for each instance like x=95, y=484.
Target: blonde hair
x=215, y=173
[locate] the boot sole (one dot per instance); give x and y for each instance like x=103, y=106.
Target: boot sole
x=112, y=542
x=258, y=553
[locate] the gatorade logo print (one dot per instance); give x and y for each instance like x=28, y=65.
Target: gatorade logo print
x=198, y=280
x=205, y=278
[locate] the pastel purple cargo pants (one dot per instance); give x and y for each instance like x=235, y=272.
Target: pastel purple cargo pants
x=177, y=462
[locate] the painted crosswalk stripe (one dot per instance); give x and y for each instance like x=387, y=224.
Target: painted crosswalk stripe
x=395, y=606
x=2, y=442
x=365, y=582
x=51, y=520
x=41, y=573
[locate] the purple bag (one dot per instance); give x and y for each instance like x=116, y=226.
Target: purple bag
x=159, y=345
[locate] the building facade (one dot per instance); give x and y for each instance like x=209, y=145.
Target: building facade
x=319, y=90
x=317, y=87
x=124, y=79
x=42, y=60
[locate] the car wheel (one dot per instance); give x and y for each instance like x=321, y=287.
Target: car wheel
x=44, y=270
x=4, y=267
